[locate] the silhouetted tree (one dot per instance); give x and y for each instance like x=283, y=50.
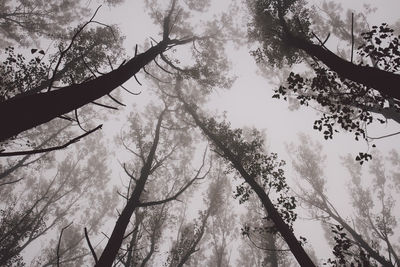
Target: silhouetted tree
x=247, y=159
x=348, y=92
x=32, y=110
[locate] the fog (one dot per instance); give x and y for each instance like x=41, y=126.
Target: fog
x=194, y=142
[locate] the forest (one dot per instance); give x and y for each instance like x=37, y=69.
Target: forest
x=248, y=133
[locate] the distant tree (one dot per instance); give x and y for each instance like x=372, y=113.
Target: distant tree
x=36, y=207
x=368, y=236
x=222, y=228
x=24, y=22
x=191, y=235
x=155, y=147
x=261, y=239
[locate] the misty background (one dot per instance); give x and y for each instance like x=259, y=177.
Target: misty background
x=199, y=211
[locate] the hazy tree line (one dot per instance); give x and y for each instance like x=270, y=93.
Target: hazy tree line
x=68, y=206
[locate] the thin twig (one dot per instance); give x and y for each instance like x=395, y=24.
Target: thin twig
x=352, y=36
x=36, y=151
x=90, y=246
x=77, y=120
x=383, y=136
x=115, y=100
x=11, y=182
x=59, y=243
x=161, y=67
x=132, y=93
x=104, y=106
x=109, y=62
x=137, y=80
x=69, y=47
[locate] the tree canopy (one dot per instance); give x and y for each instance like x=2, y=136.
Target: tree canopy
x=175, y=152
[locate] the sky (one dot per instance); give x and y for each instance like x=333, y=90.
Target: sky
x=248, y=103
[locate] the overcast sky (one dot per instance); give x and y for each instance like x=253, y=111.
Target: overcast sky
x=249, y=103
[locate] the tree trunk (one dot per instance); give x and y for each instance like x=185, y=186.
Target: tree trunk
x=114, y=243
x=287, y=234
x=386, y=83
x=22, y=113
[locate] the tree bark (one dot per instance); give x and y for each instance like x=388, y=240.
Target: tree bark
x=22, y=113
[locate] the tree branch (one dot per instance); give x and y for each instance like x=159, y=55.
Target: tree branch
x=90, y=246
x=36, y=151
x=59, y=243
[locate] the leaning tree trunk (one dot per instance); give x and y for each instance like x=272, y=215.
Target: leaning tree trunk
x=22, y=113
x=294, y=245
x=386, y=83
x=114, y=242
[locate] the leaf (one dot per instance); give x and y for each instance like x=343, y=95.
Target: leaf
x=33, y=50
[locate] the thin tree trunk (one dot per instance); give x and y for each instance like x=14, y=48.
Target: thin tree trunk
x=117, y=236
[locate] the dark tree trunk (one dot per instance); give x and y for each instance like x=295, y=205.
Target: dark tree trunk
x=386, y=83
x=114, y=243
x=301, y=256
x=22, y=113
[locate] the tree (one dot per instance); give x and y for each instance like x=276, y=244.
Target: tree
x=94, y=49
x=24, y=22
x=246, y=158
x=34, y=208
x=222, y=226
x=46, y=106
x=348, y=91
x=191, y=234
x=260, y=238
x=367, y=218
x=295, y=32
x=156, y=148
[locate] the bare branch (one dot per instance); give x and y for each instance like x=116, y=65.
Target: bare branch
x=137, y=80
x=115, y=100
x=380, y=137
x=132, y=93
x=104, y=106
x=122, y=195
x=127, y=172
x=77, y=120
x=90, y=246
x=11, y=182
x=154, y=77
x=59, y=243
x=161, y=67
x=172, y=65
x=69, y=47
x=36, y=151
x=183, y=188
